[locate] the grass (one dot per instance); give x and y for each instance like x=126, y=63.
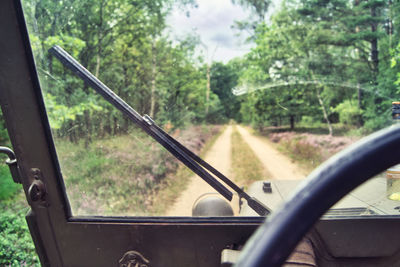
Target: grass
x=123, y=175
x=107, y=178
x=310, y=146
x=309, y=157
x=112, y=176
x=317, y=128
x=246, y=167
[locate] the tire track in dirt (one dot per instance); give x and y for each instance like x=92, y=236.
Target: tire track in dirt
x=219, y=156
x=277, y=164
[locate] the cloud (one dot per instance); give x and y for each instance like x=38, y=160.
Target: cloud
x=212, y=21
x=223, y=40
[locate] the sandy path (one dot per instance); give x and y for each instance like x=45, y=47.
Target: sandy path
x=219, y=156
x=278, y=165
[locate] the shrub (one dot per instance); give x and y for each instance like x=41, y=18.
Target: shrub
x=349, y=113
x=16, y=246
x=7, y=186
x=301, y=150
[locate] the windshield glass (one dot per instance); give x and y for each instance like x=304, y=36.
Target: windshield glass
x=263, y=91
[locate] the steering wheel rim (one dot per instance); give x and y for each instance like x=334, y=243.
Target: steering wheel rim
x=276, y=238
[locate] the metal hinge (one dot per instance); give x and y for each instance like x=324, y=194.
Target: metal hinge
x=12, y=163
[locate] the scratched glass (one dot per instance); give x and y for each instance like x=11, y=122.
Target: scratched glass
x=264, y=94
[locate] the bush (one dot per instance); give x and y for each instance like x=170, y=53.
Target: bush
x=377, y=117
x=301, y=150
x=349, y=113
x=309, y=121
x=16, y=246
x=375, y=124
x=7, y=186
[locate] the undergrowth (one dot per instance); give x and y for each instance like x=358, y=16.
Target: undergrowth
x=16, y=246
x=300, y=151
x=309, y=149
x=7, y=186
x=122, y=175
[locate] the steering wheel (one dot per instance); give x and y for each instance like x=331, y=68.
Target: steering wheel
x=276, y=238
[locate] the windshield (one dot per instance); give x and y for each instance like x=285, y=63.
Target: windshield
x=263, y=91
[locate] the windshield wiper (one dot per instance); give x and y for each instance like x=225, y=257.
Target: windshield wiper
x=187, y=157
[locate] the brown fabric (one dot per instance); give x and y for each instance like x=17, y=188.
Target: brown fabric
x=303, y=255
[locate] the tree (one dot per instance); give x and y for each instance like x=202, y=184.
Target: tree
x=352, y=26
x=281, y=52
x=223, y=79
x=259, y=7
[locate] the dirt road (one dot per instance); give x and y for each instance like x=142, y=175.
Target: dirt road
x=278, y=165
x=219, y=156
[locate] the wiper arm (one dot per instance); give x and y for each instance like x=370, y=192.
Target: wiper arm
x=187, y=157
x=254, y=203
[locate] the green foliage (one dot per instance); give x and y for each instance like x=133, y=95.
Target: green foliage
x=223, y=79
x=3, y=131
x=310, y=121
x=59, y=114
x=349, y=113
x=312, y=56
x=72, y=44
x=124, y=44
x=16, y=246
x=377, y=116
x=7, y=186
x=394, y=62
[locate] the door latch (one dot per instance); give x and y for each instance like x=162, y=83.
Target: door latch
x=37, y=190
x=12, y=163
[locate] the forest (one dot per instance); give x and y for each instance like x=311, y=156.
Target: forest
x=330, y=63
x=312, y=61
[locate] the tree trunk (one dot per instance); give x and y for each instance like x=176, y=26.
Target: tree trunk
x=291, y=122
x=321, y=102
x=98, y=54
x=116, y=125
x=97, y=71
x=100, y=39
x=88, y=134
x=374, y=46
x=153, y=79
x=359, y=92
x=126, y=125
x=208, y=87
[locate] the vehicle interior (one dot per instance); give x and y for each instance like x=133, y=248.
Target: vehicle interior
x=341, y=220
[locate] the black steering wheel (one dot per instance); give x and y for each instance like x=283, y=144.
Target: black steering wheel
x=276, y=238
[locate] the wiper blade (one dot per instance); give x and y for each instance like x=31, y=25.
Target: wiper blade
x=187, y=157
x=254, y=203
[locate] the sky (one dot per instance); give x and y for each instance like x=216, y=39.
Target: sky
x=212, y=20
